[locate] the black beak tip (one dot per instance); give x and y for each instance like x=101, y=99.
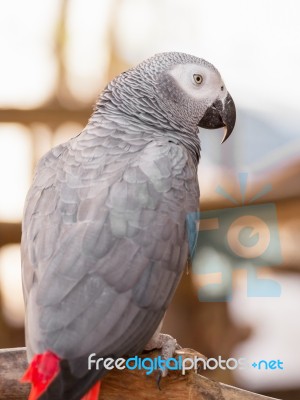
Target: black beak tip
x=225, y=136
x=227, y=132
x=228, y=117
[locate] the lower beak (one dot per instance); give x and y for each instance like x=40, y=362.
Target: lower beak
x=220, y=114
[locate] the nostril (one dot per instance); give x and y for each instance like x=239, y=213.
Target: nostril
x=222, y=88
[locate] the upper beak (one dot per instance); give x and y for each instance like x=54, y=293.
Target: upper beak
x=219, y=114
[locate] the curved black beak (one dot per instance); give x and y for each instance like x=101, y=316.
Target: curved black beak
x=220, y=114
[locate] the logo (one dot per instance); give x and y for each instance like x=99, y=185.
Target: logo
x=241, y=237
x=180, y=364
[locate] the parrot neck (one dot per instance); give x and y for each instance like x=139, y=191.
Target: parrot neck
x=146, y=130
x=150, y=124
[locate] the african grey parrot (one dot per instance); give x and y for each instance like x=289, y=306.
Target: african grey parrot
x=104, y=237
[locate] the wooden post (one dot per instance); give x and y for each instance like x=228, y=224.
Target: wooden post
x=127, y=384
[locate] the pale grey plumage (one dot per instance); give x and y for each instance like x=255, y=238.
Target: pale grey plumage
x=85, y=244
x=104, y=239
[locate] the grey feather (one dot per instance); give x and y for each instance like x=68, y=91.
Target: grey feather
x=113, y=236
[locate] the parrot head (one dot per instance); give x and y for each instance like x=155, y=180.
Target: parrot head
x=175, y=89
x=206, y=98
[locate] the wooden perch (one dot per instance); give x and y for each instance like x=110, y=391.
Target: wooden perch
x=127, y=384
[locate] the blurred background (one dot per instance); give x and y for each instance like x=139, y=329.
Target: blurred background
x=242, y=295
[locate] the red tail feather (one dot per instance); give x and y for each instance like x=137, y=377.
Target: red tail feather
x=41, y=372
x=93, y=393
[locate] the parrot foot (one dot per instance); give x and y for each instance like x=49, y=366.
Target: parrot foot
x=168, y=346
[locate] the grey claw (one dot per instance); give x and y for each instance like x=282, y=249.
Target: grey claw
x=158, y=378
x=178, y=347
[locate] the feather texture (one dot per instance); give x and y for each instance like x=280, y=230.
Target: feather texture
x=107, y=250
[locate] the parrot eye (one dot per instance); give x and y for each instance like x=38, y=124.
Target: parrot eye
x=198, y=79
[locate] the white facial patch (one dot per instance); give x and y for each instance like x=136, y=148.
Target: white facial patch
x=207, y=89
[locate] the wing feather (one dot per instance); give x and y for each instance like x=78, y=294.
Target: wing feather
x=104, y=242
